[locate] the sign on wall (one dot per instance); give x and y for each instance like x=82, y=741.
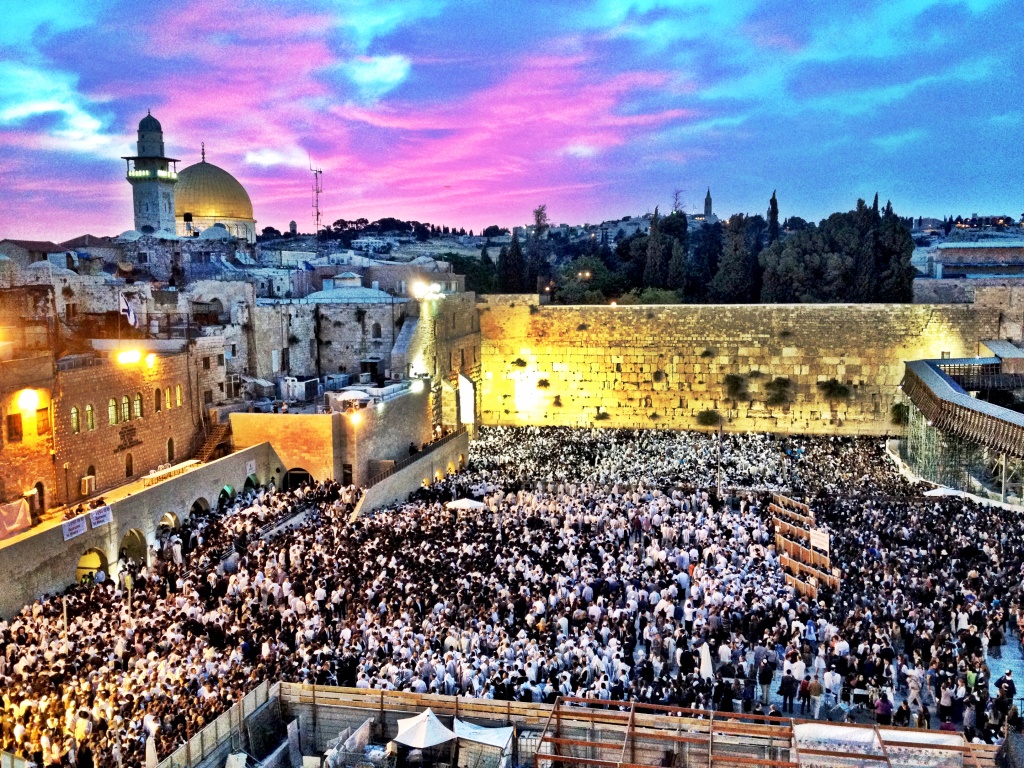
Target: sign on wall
x=100, y=516
x=74, y=527
x=250, y=467
x=819, y=540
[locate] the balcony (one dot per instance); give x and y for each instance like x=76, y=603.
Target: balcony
x=152, y=174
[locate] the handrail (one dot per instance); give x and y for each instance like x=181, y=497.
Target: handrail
x=427, y=449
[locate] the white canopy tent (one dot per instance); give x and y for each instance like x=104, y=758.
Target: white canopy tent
x=423, y=731
x=500, y=738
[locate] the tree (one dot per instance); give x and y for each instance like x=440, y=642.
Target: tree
x=734, y=281
x=511, y=266
x=655, y=267
x=773, y=219
x=540, y=221
x=494, y=231
x=677, y=201
x=484, y=253
x=676, y=278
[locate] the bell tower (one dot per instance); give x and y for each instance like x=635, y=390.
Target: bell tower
x=152, y=176
x=707, y=204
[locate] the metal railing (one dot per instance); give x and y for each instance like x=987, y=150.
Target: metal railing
x=426, y=450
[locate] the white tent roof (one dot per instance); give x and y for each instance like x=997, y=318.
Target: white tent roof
x=423, y=731
x=352, y=395
x=466, y=504
x=492, y=737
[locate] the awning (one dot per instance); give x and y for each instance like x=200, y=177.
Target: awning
x=466, y=504
x=492, y=737
x=423, y=731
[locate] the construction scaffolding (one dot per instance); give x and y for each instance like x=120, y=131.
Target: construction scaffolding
x=941, y=457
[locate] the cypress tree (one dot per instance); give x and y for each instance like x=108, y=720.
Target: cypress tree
x=773, y=219
x=654, y=269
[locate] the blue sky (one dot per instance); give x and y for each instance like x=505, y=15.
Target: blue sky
x=470, y=113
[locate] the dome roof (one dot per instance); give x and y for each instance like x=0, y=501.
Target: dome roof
x=149, y=124
x=205, y=190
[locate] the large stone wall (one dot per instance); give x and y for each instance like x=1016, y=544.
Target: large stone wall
x=660, y=366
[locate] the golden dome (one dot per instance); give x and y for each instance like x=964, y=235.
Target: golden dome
x=204, y=190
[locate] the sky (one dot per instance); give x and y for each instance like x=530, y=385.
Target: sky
x=469, y=113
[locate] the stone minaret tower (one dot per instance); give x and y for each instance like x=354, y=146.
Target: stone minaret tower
x=152, y=177
x=707, y=204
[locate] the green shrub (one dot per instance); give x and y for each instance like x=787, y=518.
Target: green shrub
x=582, y=327
x=602, y=416
x=543, y=384
x=833, y=389
x=709, y=418
x=658, y=376
x=708, y=353
x=557, y=402
x=735, y=386
x=519, y=362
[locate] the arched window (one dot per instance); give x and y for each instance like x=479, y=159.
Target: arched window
x=129, y=466
x=90, y=418
x=126, y=413
x=158, y=401
x=167, y=398
x=375, y=330
x=170, y=450
x=91, y=471
x=112, y=410
x=138, y=405
x=76, y=426
x=177, y=394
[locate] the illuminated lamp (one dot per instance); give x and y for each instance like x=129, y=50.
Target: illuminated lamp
x=419, y=290
x=28, y=400
x=129, y=357
x=355, y=417
x=417, y=385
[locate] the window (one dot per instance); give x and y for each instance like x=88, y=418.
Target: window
x=234, y=350
x=375, y=331
x=143, y=258
x=206, y=363
x=129, y=466
x=126, y=414
x=170, y=449
x=91, y=471
x=138, y=405
x=14, y=427
x=177, y=394
x=158, y=400
x=167, y=398
x=208, y=397
x=90, y=418
x=112, y=410
x=43, y=421
x=76, y=425
x=220, y=360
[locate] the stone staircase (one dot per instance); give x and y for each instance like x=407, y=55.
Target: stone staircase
x=218, y=434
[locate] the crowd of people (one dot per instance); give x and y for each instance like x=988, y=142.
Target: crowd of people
x=606, y=564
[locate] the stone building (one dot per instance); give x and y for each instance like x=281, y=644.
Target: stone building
x=152, y=176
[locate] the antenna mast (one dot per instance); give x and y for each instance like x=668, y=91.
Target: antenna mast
x=318, y=188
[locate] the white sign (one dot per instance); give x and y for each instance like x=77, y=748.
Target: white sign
x=250, y=467
x=819, y=539
x=100, y=516
x=75, y=527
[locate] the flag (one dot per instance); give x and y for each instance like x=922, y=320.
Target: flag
x=128, y=312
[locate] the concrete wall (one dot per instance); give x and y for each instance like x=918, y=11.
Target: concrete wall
x=451, y=456
x=42, y=563
x=311, y=442
x=660, y=366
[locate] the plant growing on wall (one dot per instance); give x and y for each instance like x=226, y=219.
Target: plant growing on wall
x=658, y=376
x=735, y=386
x=519, y=362
x=709, y=418
x=557, y=402
x=900, y=414
x=833, y=389
x=654, y=416
x=293, y=339
x=708, y=353
x=779, y=391
x=582, y=327
x=602, y=416
x=543, y=384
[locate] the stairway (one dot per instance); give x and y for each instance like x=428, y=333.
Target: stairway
x=218, y=434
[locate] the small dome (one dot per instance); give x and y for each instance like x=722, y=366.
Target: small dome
x=130, y=235
x=204, y=190
x=216, y=232
x=149, y=124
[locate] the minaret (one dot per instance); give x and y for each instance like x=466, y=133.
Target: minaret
x=707, y=204
x=152, y=178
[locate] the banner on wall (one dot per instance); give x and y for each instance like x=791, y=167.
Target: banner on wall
x=250, y=467
x=75, y=527
x=100, y=516
x=14, y=518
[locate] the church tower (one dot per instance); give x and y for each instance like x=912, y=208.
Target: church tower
x=707, y=204
x=152, y=177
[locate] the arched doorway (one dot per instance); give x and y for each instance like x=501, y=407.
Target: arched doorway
x=40, y=497
x=133, y=545
x=170, y=450
x=226, y=496
x=93, y=560
x=199, y=507
x=169, y=521
x=250, y=484
x=293, y=478
x=462, y=461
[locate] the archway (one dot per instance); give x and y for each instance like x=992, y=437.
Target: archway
x=226, y=496
x=134, y=546
x=451, y=467
x=295, y=477
x=251, y=483
x=199, y=507
x=462, y=461
x=93, y=560
x=169, y=521
x=41, y=497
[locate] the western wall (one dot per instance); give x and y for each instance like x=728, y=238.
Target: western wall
x=824, y=369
